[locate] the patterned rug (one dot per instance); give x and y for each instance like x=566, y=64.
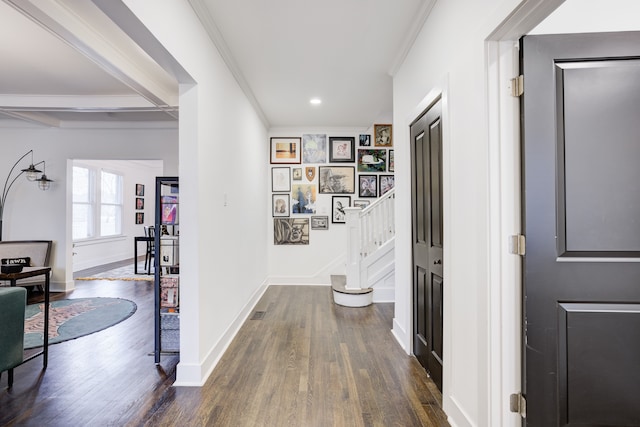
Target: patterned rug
x=73, y=318
x=121, y=273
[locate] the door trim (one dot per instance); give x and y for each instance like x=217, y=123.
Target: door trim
x=504, y=360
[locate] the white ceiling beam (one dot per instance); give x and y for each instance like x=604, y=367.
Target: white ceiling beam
x=84, y=27
x=43, y=102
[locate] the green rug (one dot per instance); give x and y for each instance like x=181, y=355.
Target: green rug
x=73, y=318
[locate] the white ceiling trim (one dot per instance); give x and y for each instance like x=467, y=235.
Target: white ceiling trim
x=412, y=34
x=105, y=44
x=203, y=13
x=107, y=102
x=31, y=117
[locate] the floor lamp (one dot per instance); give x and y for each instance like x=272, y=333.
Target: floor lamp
x=31, y=174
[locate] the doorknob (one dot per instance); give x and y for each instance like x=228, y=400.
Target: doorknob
x=438, y=261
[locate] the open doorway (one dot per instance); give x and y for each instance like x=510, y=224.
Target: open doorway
x=111, y=203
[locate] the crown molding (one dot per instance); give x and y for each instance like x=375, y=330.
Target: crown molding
x=204, y=15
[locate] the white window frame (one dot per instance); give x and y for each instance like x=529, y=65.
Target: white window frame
x=95, y=202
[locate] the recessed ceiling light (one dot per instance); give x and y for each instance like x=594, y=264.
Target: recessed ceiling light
x=316, y=101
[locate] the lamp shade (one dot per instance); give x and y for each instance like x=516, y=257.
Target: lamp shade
x=43, y=182
x=31, y=172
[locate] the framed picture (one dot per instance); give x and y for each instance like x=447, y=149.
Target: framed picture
x=314, y=148
x=383, y=136
x=319, y=222
x=390, y=166
x=139, y=189
x=139, y=217
x=169, y=212
x=285, y=150
x=365, y=140
x=303, y=199
x=361, y=203
x=297, y=174
x=336, y=179
x=310, y=173
x=387, y=182
x=139, y=203
x=280, y=179
x=368, y=186
x=342, y=149
x=280, y=204
x=372, y=160
x=338, y=203
x=291, y=231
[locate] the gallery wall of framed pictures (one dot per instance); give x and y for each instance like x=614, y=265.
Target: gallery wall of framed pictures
x=314, y=176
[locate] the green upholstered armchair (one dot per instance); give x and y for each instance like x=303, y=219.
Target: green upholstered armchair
x=13, y=301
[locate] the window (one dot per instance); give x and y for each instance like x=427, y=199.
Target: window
x=97, y=203
x=110, y=204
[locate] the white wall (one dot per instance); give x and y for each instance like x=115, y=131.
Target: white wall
x=35, y=214
x=93, y=252
x=223, y=193
x=449, y=57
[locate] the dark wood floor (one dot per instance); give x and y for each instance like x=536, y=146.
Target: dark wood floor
x=306, y=362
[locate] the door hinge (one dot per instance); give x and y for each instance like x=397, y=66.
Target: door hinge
x=517, y=244
x=517, y=86
x=518, y=404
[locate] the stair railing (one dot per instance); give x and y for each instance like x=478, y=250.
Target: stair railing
x=367, y=230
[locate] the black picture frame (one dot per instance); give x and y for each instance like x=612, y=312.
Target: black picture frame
x=387, y=182
x=368, y=186
x=280, y=205
x=338, y=203
x=342, y=149
x=139, y=203
x=139, y=217
x=365, y=140
x=140, y=190
x=372, y=160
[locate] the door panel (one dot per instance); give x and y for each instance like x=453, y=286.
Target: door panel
x=581, y=111
x=426, y=155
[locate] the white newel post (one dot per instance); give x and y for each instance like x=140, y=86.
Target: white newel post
x=354, y=232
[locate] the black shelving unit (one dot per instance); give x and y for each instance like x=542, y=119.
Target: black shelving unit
x=167, y=267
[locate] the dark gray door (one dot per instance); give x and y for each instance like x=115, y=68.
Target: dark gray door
x=426, y=155
x=581, y=136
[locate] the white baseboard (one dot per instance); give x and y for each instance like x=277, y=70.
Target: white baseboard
x=384, y=294
x=401, y=336
x=456, y=416
x=195, y=375
x=62, y=286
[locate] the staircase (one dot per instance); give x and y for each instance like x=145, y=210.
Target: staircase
x=370, y=255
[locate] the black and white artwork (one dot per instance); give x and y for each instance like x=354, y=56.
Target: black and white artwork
x=319, y=222
x=291, y=231
x=336, y=179
x=368, y=186
x=338, y=214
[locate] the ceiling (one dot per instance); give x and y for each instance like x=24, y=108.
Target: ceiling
x=70, y=65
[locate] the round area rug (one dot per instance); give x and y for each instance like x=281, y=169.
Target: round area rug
x=73, y=318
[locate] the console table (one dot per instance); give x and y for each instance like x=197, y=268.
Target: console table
x=12, y=278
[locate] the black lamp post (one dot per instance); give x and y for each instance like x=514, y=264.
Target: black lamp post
x=32, y=175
